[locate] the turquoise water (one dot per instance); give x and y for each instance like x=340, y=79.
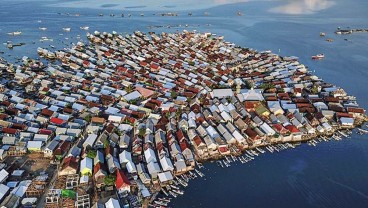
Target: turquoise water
x=333, y=174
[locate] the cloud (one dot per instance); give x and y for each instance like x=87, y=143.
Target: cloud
x=295, y=7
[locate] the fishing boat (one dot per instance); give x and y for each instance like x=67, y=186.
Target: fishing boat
x=84, y=28
x=322, y=34
x=199, y=172
x=162, y=203
x=15, y=33
x=178, y=191
x=163, y=191
x=42, y=28
x=173, y=194
x=66, y=29
x=318, y=56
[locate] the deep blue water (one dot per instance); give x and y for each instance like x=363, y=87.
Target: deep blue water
x=333, y=174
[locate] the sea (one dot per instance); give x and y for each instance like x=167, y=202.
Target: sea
x=332, y=174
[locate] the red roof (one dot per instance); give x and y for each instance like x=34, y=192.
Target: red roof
x=184, y=145
x=223, y=149
x=57, y=121
x=9, y=130
x=292, y=128
x=121, y=180
x=45, y=131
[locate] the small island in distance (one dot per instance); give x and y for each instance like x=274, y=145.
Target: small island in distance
x=139, y=114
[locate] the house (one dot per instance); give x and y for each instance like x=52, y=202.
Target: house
x=3, y=154
x=34, y=146
x=112, y=203
x=149, y=155
x=50, y=148
x=166, y=164
x=251, y=95
x=122, y=183
x=86, y=166
x=89, y=142
x=99, y=174
x=124, y=141
x=222, y=93
x=3, y=175
x=4, y=190
x=165, y=177
x=69, y=166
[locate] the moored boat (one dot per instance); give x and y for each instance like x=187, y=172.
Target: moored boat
x=318, y=56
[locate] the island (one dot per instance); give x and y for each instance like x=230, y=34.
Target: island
x=130, y=120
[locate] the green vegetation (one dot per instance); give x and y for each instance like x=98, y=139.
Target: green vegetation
x=109, y=180
x=248, y=84
x=142, y=132
x=129, y=89
x=266, y=86
x=68, y=194
x=88, y=118
x=314, y=89
x=91, y=154
x=173, y=94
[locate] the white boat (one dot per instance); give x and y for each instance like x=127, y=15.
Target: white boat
x=42, y=28
x=199, y=172
x=318, y=56
x=84, y=28
x=15, y=33
x=66, y=29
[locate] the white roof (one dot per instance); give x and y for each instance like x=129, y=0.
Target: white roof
x=150, y=156
x=90, y=140
x=3, y=190
x=132, y=96
x=125, y=156
x=221, y=93
x=112, y=203
x=83, y=179
x=166, y=164
x=86, y=163
x=34, y=144
x=3, y=175
x=165, y=176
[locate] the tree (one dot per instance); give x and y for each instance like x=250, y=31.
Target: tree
x=142, y=132
x=91, y=154
x=314, y=89
x=88, y=118
x=267, y=86
x=173, y=94
x=129, y=89
x=106, y=143
x=109, y=180
x=249, y=84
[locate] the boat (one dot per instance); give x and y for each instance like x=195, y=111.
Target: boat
x=322, y=34
x=178, y=191
x=199, y=172
x=260, y=150
x=329, y=40
x=239, y=13
x=84, y=28
x=15, y=33
x=173, y=194
x=318, y=56
x=174, y=187
x=42, y=28
x=66, y=29
x=162, y=203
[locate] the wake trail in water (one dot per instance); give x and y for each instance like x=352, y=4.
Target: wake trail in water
x=349, y=188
